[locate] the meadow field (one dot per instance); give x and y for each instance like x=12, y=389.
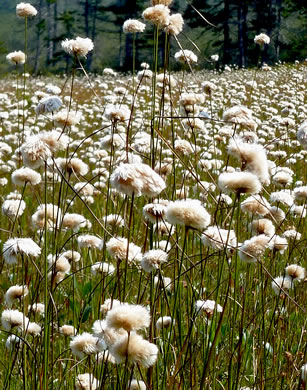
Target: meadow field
x=153, y=227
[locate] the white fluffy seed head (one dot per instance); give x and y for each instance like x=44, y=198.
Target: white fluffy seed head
x=155, y=212
x=263, y=226
x=153, y=259
x=15, y=292
x=102, y=268
x=79, y=46
x=255, y=205
x=72, y=165
x=48, y=104
x=90, y=241
x=53, y=213
x=23, y=246
x=282, y=283
x=252, y=156
x=252, y=250
x=87, y=382
x=302, y=134
x=164, y=322
x=296, y=272
x=25, y=10
x=217, y=238
x=86, y=344
x=13, y=318
x=55, y=140
x=136, y=384
x=25, y=175
x=189, y=213
x=207, y=307
x=175, y=24
x=118, y=248
x=139, y=179
x=133, y=26
x=262, y=39
x=135, y=349
x=35, y=152
x=239, y=182
x=158, y=15
x=16, y=57
x=13, y=208
x=67, y=330
x=186, y=57
x=128, y=317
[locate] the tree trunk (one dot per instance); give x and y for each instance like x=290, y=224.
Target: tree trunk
x=92, y=33
x=86, y=18
x=278, y=23
x=49, y=34
x=55, y=28
x=226, y=48
x=38, y=37
x=242, y=33
x=270, y=24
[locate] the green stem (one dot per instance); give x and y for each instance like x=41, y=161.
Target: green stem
x=46, y=330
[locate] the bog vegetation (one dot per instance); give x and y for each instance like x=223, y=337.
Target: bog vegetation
x=153, y=225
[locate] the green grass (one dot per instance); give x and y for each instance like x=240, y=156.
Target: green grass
x=258, y=341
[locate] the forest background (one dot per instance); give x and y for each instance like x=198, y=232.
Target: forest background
x=232, y=27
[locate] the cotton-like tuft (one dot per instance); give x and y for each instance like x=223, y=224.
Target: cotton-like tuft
x=86, y=344
x=252, y=156
x=153, y=259
x=13, y=318
x=25, y=10
x=128, y=317
x=296, y=272
x=239, y=182
x=133, y=26
x=253, y=249
x=155, y=212
x=23, y=246
x=90, y=241
x=102, y=268
x=16, y=57
x=25, y=175
x=255, y=205
x=79, y=46
x=164, y=322
x=15, y=292
x=48, y=104
x=87, y=382
x=136, y=384
x=53, y=213
x=302, y=134
x=13, y=208
x=189, y=213
x=175, y=24
x=208, y=307
x=263, y=226
x=217, y=238
x=282, y=283
x=35, y=152
x=117, y=247
x=139, y=179
x=136, y=350
x=262, y=39
x=158, y=15
x=186, y=57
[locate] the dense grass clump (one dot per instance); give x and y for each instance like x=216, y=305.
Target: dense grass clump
x=153, y=229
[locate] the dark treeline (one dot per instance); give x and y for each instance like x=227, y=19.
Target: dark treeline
x=230, y=34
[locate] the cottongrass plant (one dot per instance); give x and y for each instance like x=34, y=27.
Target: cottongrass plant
x=146, y=243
